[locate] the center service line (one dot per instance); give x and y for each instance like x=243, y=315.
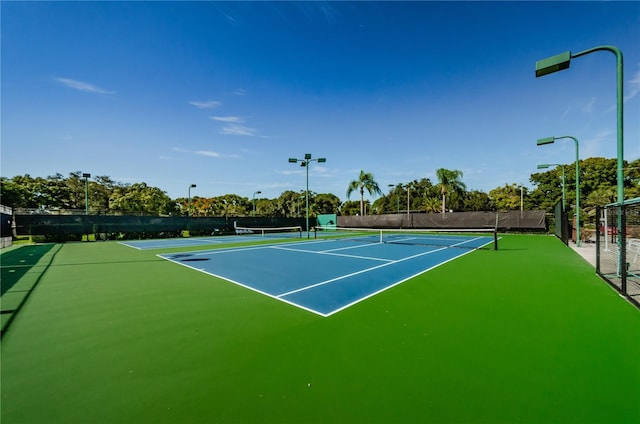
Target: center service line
x=342, y=277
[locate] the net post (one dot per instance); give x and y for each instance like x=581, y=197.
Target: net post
x=495, y=239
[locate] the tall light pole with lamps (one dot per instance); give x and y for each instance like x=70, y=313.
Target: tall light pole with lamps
x=547, y=165
x=550, y=140
x=397, y=187
x=305, y=163
x=254, y=201
x=189, y=200
x=86, y=193
x=562, y=61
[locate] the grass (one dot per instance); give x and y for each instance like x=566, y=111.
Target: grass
x=527, y=334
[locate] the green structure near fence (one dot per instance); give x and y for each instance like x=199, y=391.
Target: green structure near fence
x=327, y=220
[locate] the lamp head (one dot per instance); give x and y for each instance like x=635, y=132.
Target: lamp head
x=546, y=140
x=307, y=156
x=545, y=166
x=322, y=160
x=293, y=160
x=553, y=64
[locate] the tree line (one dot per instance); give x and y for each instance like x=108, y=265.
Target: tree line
x=598, y=186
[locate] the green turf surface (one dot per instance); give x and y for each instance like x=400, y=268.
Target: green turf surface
x=526, y=334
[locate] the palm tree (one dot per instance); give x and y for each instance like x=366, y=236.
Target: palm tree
x=365, y=181
x=449, y=182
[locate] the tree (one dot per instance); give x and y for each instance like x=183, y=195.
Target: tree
x=350, y=207
x=366, y=181
x=450, y=183
x=326, y=204
x=431, y=204
x=475, y=200
x=141, y=198
x=506, y=198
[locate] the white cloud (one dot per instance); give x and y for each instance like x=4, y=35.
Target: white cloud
x=240, y=92
x=82, y=86
x=600, y=144
x=296, y=171
x=208, y=153
x=633, y=87
x=238, y=130
x=588, y=107
x=208, y=104
x=226, y=118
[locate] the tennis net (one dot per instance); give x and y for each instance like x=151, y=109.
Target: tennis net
x=482, y=238
x=279, y=232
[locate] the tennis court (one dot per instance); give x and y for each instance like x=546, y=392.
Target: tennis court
x=329, y=275
x=111, y=334
x=243, y=235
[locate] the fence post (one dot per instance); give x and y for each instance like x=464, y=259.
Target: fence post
x=622, y=239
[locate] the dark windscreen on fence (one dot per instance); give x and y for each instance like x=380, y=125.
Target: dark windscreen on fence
x=509, y=220
x=91, y=224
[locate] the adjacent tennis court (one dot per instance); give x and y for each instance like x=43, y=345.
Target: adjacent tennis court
x=243, y=235
x=329, y=275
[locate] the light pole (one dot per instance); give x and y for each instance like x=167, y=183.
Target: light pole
x=521, y=199
x=254, y=201
x=86, y=193
x=305, y=163
x=547, y=165
x=189, y=199
x=550, y=140
x=397, y=196
x=562, y=61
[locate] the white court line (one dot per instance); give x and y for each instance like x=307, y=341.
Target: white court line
x=342, y=277
x=242, y=249
x=330, y=253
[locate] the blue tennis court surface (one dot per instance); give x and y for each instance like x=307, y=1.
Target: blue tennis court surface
x=204, y=241
x=323, y=276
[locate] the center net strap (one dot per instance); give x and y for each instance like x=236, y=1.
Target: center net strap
x=462, y=238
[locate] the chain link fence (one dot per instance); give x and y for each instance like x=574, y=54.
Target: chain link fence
x=618, y=247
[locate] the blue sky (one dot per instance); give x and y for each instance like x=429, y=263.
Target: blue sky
x=221, y=94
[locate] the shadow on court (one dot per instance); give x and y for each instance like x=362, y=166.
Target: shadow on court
x=16, y=263
x=21, y=270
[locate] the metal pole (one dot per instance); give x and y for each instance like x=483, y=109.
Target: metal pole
x=86, y=196
x=578, y=241
x=307, y=166
x=564, y=203
x=620, y=112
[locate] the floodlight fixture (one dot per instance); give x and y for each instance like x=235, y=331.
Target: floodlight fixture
x=553, y=64
x=305, y=163
x=546, y=140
